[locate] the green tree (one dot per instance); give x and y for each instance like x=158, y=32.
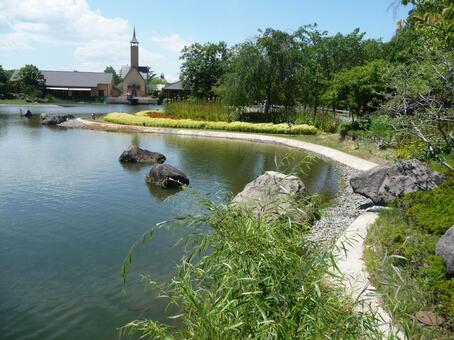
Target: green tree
x=30, y=81
x=5, y=86
x=359, y=88
x=203, y=66
x=116, y=77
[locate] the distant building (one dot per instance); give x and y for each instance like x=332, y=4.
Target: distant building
x=174, y=91
x=74, y=83
x=134, y=77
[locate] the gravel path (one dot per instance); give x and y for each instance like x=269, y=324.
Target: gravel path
x=347, y=206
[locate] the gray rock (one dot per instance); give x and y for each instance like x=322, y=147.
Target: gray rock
x=72, y=123
x=166, y=176
x=445, y=249
x=384, y=183
x=272, y=194
x=55, y=120
x=44, y=115
x=134, y=154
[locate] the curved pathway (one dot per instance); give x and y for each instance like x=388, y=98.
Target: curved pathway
x=350, y=243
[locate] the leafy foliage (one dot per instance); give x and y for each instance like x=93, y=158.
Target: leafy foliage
x=400, y=254
x=30, y=81
x=203, y=66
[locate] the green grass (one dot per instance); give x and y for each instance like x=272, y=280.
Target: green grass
x=128, y=119
x=254, y=279
x=198, y=110
x=400, y=256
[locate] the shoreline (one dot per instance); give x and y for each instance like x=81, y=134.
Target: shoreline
x=346, y=222
x=322, y=151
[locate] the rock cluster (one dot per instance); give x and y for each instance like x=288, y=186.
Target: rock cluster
x=384, y=183
x=55, y=120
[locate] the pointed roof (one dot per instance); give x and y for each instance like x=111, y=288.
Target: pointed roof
x=134, y=39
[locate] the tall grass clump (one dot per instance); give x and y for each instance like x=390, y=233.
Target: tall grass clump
x=198, y=110
x=141, y=120
x=324, y=120
x=256, y=279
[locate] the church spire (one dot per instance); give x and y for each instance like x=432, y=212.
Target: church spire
x=134, y=39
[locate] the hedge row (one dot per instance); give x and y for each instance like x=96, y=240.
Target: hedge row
x=129, y=119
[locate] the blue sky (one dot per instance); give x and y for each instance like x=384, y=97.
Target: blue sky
x=87, y=35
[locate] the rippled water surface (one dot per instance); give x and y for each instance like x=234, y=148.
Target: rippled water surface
x=69, y=212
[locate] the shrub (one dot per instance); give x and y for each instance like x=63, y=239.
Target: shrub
x=432, y=211
x=128, y=119
x=400, y=255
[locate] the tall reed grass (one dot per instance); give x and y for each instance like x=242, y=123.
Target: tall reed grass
x=199, y=110
x=256, y=279
x=141, y=120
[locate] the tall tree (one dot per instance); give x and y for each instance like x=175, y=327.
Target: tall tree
x=30, y=81
x=203, y=66
x=4, y=82
x=116, y=77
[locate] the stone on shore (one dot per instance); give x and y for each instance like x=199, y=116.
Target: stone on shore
x=445, y=249
x=73, y=123
x=134, y=154
x=55, y=120
x=273, y=195
x=166, y=176
x=384, y=183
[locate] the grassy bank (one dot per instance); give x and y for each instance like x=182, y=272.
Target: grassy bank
x=259, y=280
x=141, y=120
x=363, y=149
x=400, y=257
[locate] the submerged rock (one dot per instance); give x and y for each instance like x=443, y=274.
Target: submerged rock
x=445, y=249
x=384, y=183
x=272, y=194
x=166, y=176
x=55, y=120
x=134, y=154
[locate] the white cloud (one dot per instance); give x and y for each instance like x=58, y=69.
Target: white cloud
x=94, y=39
x=172, y=42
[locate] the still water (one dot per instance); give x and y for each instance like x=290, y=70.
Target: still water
x=69, y=212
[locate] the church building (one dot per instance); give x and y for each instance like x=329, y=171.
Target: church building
x=133, y=81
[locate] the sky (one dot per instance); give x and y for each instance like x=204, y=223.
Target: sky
x=88, y=35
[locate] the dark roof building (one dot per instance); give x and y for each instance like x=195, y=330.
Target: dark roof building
x=174, y=91
x=69, y=82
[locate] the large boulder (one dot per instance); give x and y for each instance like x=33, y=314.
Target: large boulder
x=166, y=176
x=273, y=195
x=445, y=249
x=55, y=120
x=384, y=183
x=134, y=154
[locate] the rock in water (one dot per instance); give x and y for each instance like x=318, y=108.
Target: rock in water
x=272, y=194
x=134, y=154
x=166, y=176
x=445, y=249
x=55, y=120
x=384, y=183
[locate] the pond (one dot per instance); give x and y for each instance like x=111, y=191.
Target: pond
x=69, y=212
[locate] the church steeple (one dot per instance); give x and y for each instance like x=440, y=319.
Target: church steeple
x=134, y=50
x=134, y=39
